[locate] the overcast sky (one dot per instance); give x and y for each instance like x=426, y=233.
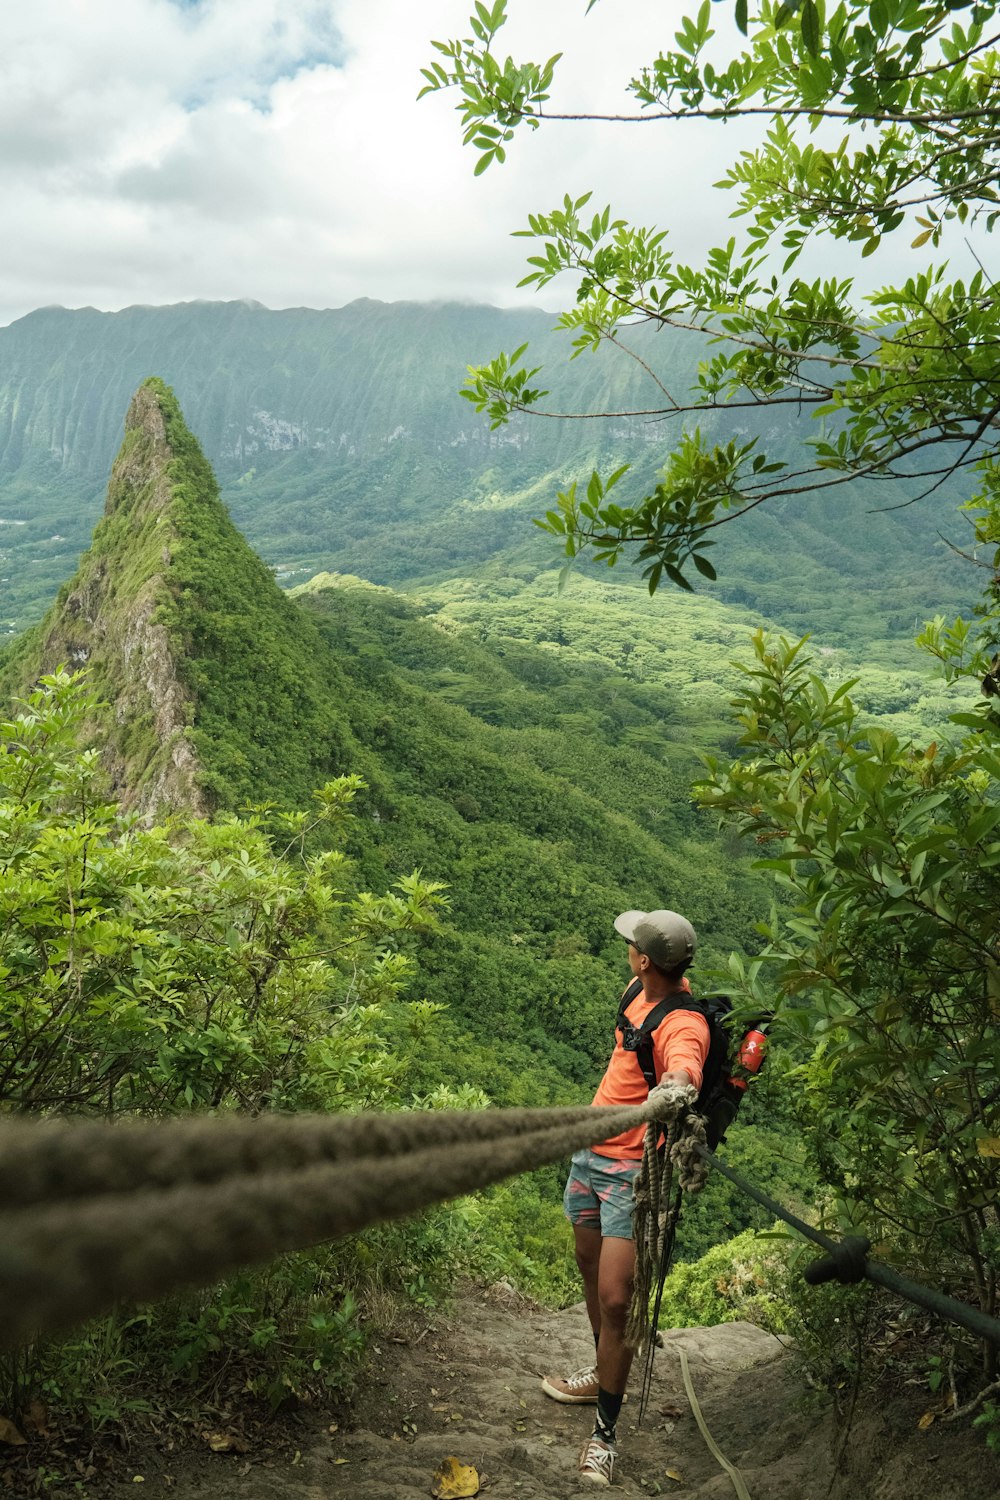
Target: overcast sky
x=163, y=150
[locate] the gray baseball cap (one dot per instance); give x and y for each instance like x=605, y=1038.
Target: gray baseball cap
x=666, y=938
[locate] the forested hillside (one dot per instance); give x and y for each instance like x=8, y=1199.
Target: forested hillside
x=492, y=776
x=341, y=443
x=547, y=797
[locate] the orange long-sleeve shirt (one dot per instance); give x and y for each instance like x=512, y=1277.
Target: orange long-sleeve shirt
x=680, y=1041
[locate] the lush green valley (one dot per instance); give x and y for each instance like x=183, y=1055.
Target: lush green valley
x=341, y=444
x=546, y=794
x=484, y=811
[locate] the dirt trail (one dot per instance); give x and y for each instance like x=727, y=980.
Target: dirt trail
x=467, y=1385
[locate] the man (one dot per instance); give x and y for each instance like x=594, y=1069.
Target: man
x=598, y=1198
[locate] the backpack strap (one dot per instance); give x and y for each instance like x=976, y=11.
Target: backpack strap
x=639, y=1039
x=633, y=992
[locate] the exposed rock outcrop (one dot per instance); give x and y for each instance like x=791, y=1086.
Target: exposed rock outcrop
x=112, y=619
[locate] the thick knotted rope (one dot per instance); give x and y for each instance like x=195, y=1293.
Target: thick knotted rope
x=94, y=1214
x=688, y=1155
x=654, y=1215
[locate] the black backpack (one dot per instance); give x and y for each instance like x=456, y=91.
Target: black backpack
x=718, y=1098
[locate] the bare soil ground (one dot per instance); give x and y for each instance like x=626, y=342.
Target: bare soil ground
x=467, y=1385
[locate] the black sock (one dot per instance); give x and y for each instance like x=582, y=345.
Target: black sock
x=608, y=1407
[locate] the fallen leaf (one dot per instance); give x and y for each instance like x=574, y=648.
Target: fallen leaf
x=340, y=1460
x=10, y=1435
x=671, y=1411
x=454, y=1480
x=225, y=1442
x=36, y=1419
x=674, y=1474
x=926, y=1420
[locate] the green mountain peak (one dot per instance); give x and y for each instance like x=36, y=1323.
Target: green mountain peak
x=185, y=635
x=111, y=617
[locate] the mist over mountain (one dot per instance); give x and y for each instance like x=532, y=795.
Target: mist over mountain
x=341, y=443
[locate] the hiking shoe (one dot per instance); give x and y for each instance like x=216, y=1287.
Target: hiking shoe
x=597, y=1462
x=580, y=1389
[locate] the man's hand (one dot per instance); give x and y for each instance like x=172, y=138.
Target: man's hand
x=674, y=1093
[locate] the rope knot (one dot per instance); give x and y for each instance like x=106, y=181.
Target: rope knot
x=669, y=1101
x=686, y=1155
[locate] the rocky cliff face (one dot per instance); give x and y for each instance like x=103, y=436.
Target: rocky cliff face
x=109, y=620
x=218, y=688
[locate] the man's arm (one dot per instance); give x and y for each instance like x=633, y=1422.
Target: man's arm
x=677, y=1075
x=680, y=1047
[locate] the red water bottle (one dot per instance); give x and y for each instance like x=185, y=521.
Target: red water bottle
x=749, y=1059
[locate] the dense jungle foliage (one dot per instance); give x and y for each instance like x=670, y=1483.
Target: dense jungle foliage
x=260, y=959
x=538, y=766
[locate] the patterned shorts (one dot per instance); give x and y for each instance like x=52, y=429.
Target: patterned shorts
x=599, y=1193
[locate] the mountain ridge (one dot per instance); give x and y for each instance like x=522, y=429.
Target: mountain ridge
x=341, y=444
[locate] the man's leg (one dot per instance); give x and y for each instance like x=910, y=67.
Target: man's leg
x=616, y=1270
x=614, y=1295
x=583, y=1209
x=588, y=1258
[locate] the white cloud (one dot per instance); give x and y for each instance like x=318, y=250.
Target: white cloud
x=154, y=150
x=161, y=150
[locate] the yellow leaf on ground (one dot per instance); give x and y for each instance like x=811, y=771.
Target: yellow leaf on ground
x=225, y=1442
x=455, y=1480
x=989, y=1146
x=674, y=1474
x=926, y=1420
x=9, y=1434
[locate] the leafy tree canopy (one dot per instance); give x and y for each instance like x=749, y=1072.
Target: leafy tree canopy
x=881, y=120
